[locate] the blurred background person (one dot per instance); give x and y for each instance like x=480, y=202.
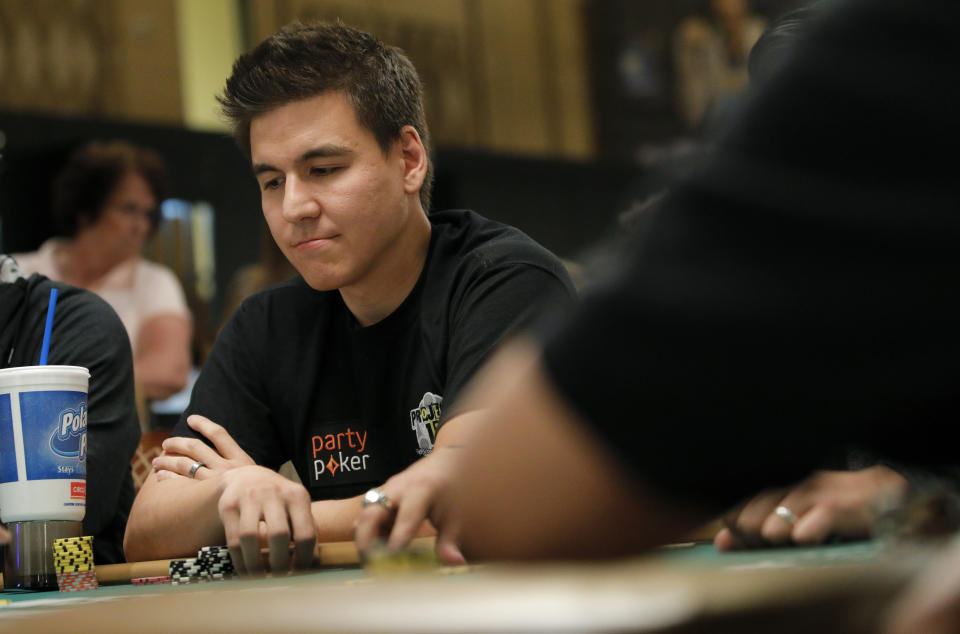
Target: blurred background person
x=272, y=268
x=106, y=204
x=710, y=56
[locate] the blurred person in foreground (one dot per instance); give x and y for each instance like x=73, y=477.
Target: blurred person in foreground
x=851, y=495
x=86, y=333
x=106, y=204
x=794, y=295
x=352, y=369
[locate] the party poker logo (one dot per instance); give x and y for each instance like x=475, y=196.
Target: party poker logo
x=70, y=437
x=341, y=454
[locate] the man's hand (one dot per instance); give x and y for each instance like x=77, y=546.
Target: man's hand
x=181, y=453
x=415, y=494
x=842, y=503
x=4, y=536
x=251, y=496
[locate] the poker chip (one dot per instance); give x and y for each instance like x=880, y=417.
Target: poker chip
x=73, y=562
x=184, y=571
x=212, y=563
x=215, y=563
x=150, y=581
x=77, y=581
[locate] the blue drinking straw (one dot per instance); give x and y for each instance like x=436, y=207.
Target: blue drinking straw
x=48, y=328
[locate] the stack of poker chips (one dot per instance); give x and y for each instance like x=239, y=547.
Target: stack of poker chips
x=215, y=563
x=73, y=560
x=184, y=571
x=212, y=563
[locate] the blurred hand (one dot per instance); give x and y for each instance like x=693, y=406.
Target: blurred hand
x=4, y=536
x=842, y=503
x=255, y=500
x=416, y=494
x=180, y=453
x=931, y=603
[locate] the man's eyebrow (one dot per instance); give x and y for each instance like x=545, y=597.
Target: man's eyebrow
x=323, y=151
x=259, y=168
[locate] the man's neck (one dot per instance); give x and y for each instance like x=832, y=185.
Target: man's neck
x=392, y=279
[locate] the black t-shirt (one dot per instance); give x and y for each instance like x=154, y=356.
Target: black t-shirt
x=87, y=333
x=799, y=291
x=292, y=376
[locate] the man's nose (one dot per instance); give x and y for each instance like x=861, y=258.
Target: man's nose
x=299, y=200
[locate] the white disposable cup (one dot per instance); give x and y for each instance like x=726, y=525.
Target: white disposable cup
x=43, y=443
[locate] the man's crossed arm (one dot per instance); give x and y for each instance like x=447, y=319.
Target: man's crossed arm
x=232, y=500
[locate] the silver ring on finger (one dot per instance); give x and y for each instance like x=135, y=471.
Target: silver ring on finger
x=376, y=495
x=786, y=515
x=193, y=468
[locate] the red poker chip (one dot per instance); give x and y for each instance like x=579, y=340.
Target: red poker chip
x=75, y=581
x=149, y=581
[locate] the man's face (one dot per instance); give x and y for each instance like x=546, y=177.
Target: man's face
x=334, y=202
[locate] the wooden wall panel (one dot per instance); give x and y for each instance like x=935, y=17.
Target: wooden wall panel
x=94, y=58
x=512, y=71
x=571, y=69
x=145, y=60
x=500, y=75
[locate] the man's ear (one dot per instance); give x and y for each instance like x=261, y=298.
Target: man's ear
x=414, y=159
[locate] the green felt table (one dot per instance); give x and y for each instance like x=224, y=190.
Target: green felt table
x=671, y=590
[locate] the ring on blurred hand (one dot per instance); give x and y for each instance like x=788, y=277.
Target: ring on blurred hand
x=193, y=468
x=785, y=514
x=377, y=496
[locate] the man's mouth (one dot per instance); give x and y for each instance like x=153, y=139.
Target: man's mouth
x=313, y=243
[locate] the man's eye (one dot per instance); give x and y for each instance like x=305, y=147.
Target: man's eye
x=273, y=183
x=323, y=171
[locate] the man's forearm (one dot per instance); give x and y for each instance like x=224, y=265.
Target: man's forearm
x=334, y=518
x=173, y=518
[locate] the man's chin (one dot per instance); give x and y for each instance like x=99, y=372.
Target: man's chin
x=322, y=282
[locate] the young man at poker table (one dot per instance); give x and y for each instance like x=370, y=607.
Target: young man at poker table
x=351, y=369
x=794, y=295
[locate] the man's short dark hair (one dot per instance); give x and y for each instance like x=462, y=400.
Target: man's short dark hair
x=304, y=60
x=93, y=172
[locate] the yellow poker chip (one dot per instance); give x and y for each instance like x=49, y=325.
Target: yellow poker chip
x=72, y=551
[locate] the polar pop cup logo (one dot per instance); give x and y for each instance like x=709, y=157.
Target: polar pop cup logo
x=69, y=439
